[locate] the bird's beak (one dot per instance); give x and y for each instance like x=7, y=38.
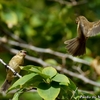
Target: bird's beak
x=24, y=52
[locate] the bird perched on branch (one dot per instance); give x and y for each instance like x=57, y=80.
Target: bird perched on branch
x=14, y=63
x=85, y=29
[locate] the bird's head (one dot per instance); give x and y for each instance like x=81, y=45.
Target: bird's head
x=22, y=53
x=81, y=19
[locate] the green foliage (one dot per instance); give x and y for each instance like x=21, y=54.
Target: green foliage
x=49, y=71
x=48, y=91
x=22, y=81
x=62, y=79
x=48, y=87
x=16, y=95
x=30, y=96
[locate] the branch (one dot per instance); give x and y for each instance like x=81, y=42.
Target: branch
x=15, y=73
x=41, y=50
x=72, y=3
x=79, y=76
x=84, y=91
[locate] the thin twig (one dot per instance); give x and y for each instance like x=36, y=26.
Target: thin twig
x=85, y=91
x=79, y=76
x=64, y=2
x=15, y=73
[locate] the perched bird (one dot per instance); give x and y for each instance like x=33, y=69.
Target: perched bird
x=85, y=29
x=14, y=63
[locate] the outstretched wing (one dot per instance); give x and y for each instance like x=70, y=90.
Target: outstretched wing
x=94, y=30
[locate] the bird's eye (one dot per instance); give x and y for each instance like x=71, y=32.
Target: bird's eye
x=21, y=51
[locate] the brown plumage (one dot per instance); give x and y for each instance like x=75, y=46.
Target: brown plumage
x=85, y=29
x=14, y=63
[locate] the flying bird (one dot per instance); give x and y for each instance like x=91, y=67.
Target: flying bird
x=85, y=29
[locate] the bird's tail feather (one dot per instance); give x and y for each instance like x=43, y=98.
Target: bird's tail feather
x=76, y=46
x=5, y=86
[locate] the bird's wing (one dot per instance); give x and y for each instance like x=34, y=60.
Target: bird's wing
x=80, y=30
x=94, y=30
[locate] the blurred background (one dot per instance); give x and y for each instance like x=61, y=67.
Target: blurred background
x=45, y=25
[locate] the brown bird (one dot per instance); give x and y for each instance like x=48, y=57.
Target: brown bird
x=14, y=63
x=85, y=29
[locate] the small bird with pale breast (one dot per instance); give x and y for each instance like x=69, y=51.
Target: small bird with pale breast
x=14, y=63
x=85, y=29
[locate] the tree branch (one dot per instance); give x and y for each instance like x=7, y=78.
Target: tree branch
x=15, y=73
x=41, y=50
x=72, y=3
x=79, y=76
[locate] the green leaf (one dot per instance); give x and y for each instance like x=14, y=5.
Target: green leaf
x=30, y=96
x=32, y=68
x=49, y=71
x=16, y=95
x=35, y=21
x=36, y=69
x=10, y=18
x=62, y=79
x=44, y=76
x=35, y=81
x=48, y=91
x=72, y=85
x=22, y=80
x=51, y=62
x=30, y=32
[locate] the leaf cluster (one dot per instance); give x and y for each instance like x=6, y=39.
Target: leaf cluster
x=48, y=83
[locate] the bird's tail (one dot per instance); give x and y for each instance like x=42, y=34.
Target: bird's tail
x=76, y=46
x=5, y=86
